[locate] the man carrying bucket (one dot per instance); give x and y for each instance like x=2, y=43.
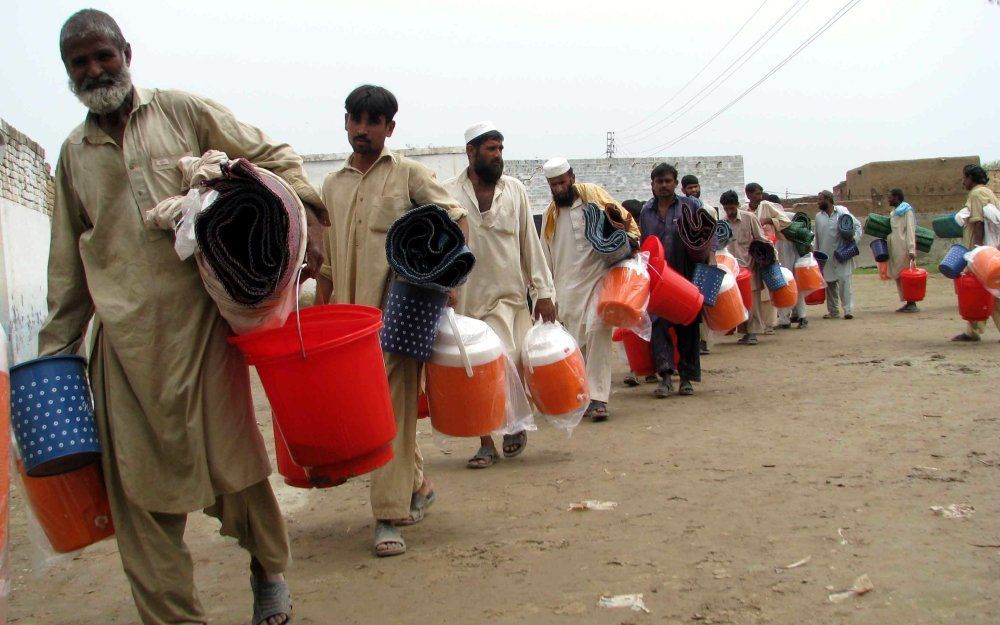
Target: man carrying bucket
x=171, y=396
x=578, y=270
x=788, y=254
x=509, y=259
x=773, y=220
x=365, y=197
x=692, y=188
x=839, y=276
x=746, y=229
x=902, y=242
x=980, y=198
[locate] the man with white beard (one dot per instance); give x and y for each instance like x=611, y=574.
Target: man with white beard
x=171, y=396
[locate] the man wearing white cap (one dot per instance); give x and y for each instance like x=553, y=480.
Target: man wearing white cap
x=509, y=259
x=577, y=270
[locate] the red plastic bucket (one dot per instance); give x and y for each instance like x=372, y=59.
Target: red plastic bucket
x=975, y=303
x=638, y=351
x=744, y=281
x=816, y=298
x=675, y=298
x=72, y=508
x=914, y=284
x=325, y=379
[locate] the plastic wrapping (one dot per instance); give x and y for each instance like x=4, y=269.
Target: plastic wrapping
x=788, y=295
x=728, y=311
x=555, y=375
x=984, y=263
x=727, y=261
x=883, y=271
x=624, y=296
x=196, y=200
x=4, y=476
x=808, y=276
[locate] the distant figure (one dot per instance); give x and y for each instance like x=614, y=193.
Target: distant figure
x=981, y=202
x=902, y=243
x=746, y=229
x=773, y=220
x=692, y=188
x=839, y=276
x=788, y=255
x=634, y=207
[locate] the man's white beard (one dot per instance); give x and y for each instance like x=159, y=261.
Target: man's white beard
x=104, y=100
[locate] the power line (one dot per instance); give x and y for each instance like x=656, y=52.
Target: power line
x=724, y=75
x=844, y=10
x=700, y=72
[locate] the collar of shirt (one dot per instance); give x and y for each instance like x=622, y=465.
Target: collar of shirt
x=466, y=183
x=386, y=154
x=93, y=134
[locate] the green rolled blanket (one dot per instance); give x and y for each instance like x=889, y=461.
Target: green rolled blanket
x=946, y=227
x=800, y=233
x=925, y=238
x=878, y=226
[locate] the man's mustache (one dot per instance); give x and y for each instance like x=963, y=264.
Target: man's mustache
x=90, y=83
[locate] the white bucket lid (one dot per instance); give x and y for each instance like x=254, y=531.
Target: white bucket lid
x=481, y=343
x=556, y=346
x=728, y=283
x=789, y=276
x=807, y=260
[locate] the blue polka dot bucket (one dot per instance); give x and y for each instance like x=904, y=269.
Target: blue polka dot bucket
x=410, y=319
x=53, y=416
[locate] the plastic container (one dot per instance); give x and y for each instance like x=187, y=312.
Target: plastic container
x=72, y=507
x=946, y=227
x=727, y=261
x=744, y=281
x=624, y=294
x=555, y=374
x=880, y=250
x=467, y=378
x=335, y=349
x=411, y=314
x=816, y=298
x=913, y=282
x=808, y=276
x=708, y=279
x=954, y=263
x=821, y=259
x=728, y=311
x=975, y=303
x=984, y=263
x=423, y=407
x=883, y=271
x=53, y=416
x=847, y=251
x=773, y=277
x=638, y=351
x=657, y=262
x=788, y=295
x=675, y=298
x=291, y=473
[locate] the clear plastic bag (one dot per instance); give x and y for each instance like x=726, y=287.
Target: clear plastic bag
x=624, y=295
x=984, y=263
x=555, y=375
x=194, y=202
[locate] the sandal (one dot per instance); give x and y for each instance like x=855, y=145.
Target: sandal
x=388, y=535
x=598, y=411
x=965, y=338
x=685, y=388
x=748, y=339
x=418, y=508
x=631, y=380
x=270, y=599
x=517, y=443
x=486, y=457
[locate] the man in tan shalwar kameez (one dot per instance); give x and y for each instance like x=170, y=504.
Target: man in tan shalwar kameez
x=373, y=189
x=902, y=242
x=577, y=270
x=746, y=230
x=974, y=232
x=172, y=397
x=509, y=259
x=773, y=219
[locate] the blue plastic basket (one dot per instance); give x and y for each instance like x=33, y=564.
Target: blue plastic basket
x=821, y=259
x=708, y=279
x=953, y=263
x=772, y=277
x=53, y=415
x=847, y=251
x=880, y=249
x=410, y=319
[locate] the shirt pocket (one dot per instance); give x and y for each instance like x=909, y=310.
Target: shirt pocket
x=505, y=223
x=385, y=211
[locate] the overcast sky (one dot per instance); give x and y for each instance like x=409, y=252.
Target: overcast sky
x=893, y=79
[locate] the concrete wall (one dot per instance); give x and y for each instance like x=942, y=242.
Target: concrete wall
x=932, y=185
x=26, y=197
x=624, y=178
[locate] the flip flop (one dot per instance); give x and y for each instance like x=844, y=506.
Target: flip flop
x=388, y=534
x=631, y=380
x=483, y=459
x=518, y=441
x=597, y=412
x=418, y=509
x=269, y=599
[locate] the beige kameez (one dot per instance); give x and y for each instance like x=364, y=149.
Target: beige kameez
x=362, y=208
x=979, y=197
x=172, y=397
x=902, y=242
x=510, y=263
x=747, y=229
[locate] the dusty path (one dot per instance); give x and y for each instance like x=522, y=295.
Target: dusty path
x=829, y=443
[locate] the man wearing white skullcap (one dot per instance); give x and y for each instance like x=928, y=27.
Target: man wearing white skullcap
x=578, y=270
x=509, y=259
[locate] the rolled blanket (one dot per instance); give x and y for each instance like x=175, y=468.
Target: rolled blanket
x=425, y=247
x=610, y=242
x=696, y=230
x=845, y=226
x=877, y=226
x=947, y=227
x=799, y=232
x=762, y=254
x=925, y=239
x=251, y=237
x=723, y=233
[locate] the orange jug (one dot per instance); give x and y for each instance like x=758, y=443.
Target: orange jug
x=727, y=261
x=788, y=295
x=984, y=262
x=466, y=378
x=624, y=294
x=728, y=311
x=808, y=277
x=554, y=371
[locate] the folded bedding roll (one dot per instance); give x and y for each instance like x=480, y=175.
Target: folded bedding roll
x=696, y=230
x=877, y=226
x=610, y=242
x=845, y=226
x=425, y=246
x=925, y=239
x=723, y=233
x=762, y=254
x=800, y=233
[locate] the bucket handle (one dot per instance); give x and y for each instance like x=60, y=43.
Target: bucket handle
x=298, y=316
x=458, y=339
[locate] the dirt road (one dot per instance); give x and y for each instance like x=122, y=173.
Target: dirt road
x=830, y=443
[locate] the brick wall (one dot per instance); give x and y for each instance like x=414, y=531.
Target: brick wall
x=25, y=177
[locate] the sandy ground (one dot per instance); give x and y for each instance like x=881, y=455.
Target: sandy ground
x=830, y=444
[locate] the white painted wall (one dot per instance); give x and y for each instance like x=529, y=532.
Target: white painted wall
x=24, y=253
x=444, y=162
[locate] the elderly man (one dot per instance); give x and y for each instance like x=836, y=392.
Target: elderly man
x=171, y=396
x=373, y=189
x=578, y=270
x=692, y=188
x=902, y=243
x=746, y=229
x=982, y=204
x=772, y=218
x=509, y=259
x=839, y=276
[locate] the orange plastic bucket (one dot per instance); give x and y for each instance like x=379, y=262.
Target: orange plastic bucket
x=675, y=298
x=348, y=428
x=466, y=378
x=728, y=311
x=624, y=295
x=985, y=265
x=808, y=276
x=727, y=261
x=556, y=375
x=788, y=295
x=72, y=508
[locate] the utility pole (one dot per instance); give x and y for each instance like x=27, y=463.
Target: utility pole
x=610, y=151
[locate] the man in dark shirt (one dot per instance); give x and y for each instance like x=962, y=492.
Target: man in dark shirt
x=660, y=218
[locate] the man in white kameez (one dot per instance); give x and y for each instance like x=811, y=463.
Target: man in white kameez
x=902, y=243
x=577, y=271
x=788, y=254
x=510, y=263
x=838, y=275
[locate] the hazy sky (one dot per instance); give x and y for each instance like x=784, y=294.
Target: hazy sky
x=893, y=79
